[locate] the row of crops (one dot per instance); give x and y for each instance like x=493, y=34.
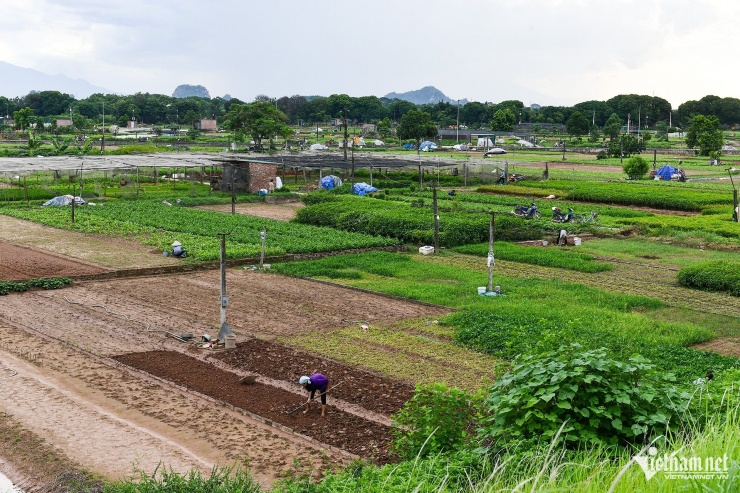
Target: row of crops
x=159, y=225
x=655, y=194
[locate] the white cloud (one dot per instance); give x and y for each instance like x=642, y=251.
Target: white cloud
x=546, y=51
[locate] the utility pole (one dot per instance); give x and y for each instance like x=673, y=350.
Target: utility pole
x=223, y=299
x=233, y=193
x=490, y=260
x=102, y=139
x=263, y=236
x=436, y=219
x=345, y=134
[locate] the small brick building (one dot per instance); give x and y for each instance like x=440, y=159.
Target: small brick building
x=206, y=125
x=247, y=177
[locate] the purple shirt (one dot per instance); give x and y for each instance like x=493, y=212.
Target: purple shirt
x=318, y=382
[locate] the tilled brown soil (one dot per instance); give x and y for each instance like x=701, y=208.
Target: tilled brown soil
x=19, y=263
x=338, y=428
x=373, y=392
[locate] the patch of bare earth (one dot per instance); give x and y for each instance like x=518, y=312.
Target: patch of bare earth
x=104, y=251
x=726, y=346
x=67, y=389
x=279, y=212
x=19, y=263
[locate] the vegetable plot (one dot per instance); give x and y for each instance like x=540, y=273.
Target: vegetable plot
x=159, y=225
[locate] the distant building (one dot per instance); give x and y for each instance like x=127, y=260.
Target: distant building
x=368, y=127
x=205, y=125
x=64, y=122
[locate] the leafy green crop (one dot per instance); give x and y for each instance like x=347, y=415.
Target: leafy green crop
x=712, y=276
x=198, y=230
x=412, y=224
x=647, y=193
x=600, y=400
x=43, y=283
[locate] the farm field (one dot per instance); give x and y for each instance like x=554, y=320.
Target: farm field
x=71, y=337
x=345, y=298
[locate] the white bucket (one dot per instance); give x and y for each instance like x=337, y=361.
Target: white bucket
x=426, y=250
x=576, y=241
x=482, y=290
x=230, y=342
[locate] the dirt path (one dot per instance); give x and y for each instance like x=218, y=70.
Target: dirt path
x=111, y=420
x=104, y=251
x=279, y=212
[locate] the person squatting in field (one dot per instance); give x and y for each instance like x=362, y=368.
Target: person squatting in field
x=315, y=382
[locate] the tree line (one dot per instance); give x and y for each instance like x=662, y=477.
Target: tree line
x=159, y=109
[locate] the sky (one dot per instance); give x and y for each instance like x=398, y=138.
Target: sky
x=548, y=52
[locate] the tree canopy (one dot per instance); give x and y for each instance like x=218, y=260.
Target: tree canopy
x=704, y=133
x=416, y=125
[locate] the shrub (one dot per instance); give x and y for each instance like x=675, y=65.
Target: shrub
x=712, y=276
x=600, y=400
x=435, y=420
x=636, y=167
x=602, y=155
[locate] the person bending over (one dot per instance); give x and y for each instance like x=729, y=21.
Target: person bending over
x=315, y=382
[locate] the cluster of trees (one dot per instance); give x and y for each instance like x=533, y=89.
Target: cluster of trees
x=162, y=109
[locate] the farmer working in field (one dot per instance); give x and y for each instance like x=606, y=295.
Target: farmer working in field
x=315, y=382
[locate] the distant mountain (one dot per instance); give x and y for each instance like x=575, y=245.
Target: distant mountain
x=18, y=81
x=425, y=95
x=188, y=91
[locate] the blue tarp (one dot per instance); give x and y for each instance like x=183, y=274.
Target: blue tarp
x=63, y=200
x=665, y=172
x=330, y=181
x=409, y=146
x=363, y=188
x=427, y=146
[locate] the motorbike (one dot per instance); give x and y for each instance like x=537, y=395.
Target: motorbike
x=559, y=216
x=527, y=212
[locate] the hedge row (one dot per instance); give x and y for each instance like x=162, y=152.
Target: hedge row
x=712, y=276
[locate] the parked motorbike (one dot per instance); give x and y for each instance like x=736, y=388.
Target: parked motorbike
x=525, y=212
x=559, y=216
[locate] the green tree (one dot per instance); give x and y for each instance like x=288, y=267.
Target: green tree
x=704, y=133
x=661, y=131
x=613, y=126
x=384, y=127
x=264, y=121
x=577, y=124
x=23, y=118
x=636, y=167
x=503, y=120
x=625, y=146
x=416, y=125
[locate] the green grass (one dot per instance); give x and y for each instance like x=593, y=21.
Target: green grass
x=534, y=315
x=652, y=252
x=404, y=355
x=547, y=257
